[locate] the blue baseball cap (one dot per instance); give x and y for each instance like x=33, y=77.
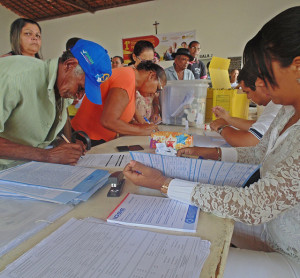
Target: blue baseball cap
x=96, y=64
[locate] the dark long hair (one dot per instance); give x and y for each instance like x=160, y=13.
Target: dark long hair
x=139, y=47
x=279, y=40
x=15, y=32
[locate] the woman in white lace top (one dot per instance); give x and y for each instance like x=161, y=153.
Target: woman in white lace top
x=270, y=206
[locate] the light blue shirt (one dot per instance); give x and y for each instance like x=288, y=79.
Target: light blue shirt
x=172, y=74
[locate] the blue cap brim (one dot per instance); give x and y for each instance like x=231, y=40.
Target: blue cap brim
x=92, y=91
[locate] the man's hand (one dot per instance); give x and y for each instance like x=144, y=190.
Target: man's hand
x=66, y=153
x=216, y=124
x=220, y=112
x=145, y=176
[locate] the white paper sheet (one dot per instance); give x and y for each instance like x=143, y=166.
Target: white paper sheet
x=204, y=171
x=155, y=212
x=20, y=219
x=108, y=160
x=84, y=248
x=209, y=141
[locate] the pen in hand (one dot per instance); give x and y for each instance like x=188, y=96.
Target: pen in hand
x=65, y=138
x=147, y=121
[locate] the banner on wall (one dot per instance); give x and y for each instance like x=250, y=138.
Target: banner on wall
x=165, y=44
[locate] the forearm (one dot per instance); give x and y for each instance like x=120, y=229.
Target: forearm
x=239, y=138
x=239, y=123
x=14, y=151
x=121, y=127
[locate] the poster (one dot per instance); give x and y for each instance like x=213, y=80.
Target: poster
x=164, y=44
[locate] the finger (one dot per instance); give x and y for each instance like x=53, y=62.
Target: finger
x=183, y=151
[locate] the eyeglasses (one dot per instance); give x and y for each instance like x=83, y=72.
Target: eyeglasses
x=30, y=34
x=142, y=60
x=160, y=89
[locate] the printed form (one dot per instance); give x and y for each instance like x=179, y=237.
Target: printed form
x=107, y=160
x=91, y=248
x=155, y=212
x=199, y=170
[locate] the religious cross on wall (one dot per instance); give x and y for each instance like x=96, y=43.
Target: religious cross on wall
x=155, y=24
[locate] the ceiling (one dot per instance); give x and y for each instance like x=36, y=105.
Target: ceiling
x=49, y=9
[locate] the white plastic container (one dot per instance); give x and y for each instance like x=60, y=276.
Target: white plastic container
x=184, y=100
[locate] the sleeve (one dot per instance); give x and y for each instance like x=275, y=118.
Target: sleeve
x=9, y=98
x=259, y=128
x=277, y=191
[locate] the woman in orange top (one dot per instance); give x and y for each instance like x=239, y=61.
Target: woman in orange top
x=103, y=122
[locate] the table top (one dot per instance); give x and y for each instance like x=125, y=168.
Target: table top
x=212, y=228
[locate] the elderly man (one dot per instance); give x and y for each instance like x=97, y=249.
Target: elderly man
x=179, y=70
x=34, y=96
x=196, y=66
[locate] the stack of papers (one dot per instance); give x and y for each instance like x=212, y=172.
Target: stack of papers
x=199, y=170
x=91, y=248
x=155, y=212
x=51, y=182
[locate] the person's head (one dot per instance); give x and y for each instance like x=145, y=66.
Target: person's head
x=143, y=51
x=117, y=62
x=71, y=42
x=194, y=48
x=151, y=78
x=275, y=51
x=25, y=37
x=156, y=58
x=81, y=70
x=258, y=96
x=184, y=45
x=234, y=75
x=182, y=57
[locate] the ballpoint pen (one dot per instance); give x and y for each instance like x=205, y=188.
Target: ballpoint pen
x=65, y=138
x=147, y=121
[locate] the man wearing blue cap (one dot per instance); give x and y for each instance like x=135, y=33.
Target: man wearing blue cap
x=34, y=97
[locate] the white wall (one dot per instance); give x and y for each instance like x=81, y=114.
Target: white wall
x=222, y=27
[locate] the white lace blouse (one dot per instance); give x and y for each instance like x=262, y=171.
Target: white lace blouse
x=274, y=199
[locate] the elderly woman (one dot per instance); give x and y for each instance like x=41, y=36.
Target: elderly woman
x=103, y=122
x=147, y=108
x=270, y=206
x=25, y=38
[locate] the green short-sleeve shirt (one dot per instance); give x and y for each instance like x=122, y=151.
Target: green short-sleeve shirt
x=29, y=114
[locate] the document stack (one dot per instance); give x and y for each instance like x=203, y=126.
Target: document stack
x=56, y=183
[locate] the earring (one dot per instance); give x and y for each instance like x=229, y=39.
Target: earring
x=298, y=79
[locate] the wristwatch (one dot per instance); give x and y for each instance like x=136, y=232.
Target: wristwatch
x=220, y=129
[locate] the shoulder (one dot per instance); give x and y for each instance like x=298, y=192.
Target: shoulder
x=189, y=73
x=169, y=69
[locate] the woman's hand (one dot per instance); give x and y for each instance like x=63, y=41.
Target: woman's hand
x=143, y=175
x=155, y=118
x=205, y=153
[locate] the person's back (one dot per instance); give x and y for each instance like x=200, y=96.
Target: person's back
x=25, y=84
x=88, y=115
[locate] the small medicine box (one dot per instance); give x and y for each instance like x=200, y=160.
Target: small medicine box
x=234, y=101
x=184, y=100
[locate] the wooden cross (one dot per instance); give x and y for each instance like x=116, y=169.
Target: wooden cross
x=155, y=24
